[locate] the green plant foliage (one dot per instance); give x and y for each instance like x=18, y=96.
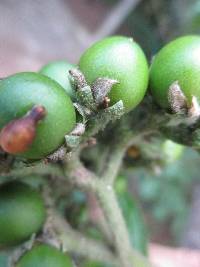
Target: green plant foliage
x=172, y=151
x=167, y=193
x=75, y=209
x=3, y=260
x=95, y=264
x=90, y=210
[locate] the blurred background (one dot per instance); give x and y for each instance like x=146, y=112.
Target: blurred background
x=34, y=32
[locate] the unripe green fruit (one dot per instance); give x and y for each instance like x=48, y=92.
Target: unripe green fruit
x=44, y=256
x=59, y=71
x=177, y=61
x=22, y=213
x=172, y=151
x=122, y=59
x=19, y=93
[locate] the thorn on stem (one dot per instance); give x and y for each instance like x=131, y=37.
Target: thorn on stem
x=58, y=155
x=194, y=110
x=177, y=99
x=79, y=129
x=82, y=110
x=100, y=89
x=79, y=79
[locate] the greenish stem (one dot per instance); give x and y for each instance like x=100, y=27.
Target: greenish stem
x=117, y=151
x=37, y=169
x=128, y=256
x=115, y=220
x=75, y=242
x=79, y=176
x=98, y=218
x=114, y=164
x=87, y=180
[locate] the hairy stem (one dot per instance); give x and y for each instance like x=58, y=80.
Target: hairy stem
x=87, y=180
x=75, y=242
x=128, y=256
x=114, y=217
x=97, y=216
x=37, y=169
x=114, y=164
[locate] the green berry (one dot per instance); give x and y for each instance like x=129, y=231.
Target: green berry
x=22, y=213
x=122, y=59
x=44, y=256
x=19, y=93
x=177, y=61
x=59, y=71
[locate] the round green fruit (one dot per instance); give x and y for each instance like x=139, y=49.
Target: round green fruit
x=44, y=256
x=122, y=59
x=22, y=213
x=177, y=61
x=172, y=151
x=19, y=93
x=59, y=71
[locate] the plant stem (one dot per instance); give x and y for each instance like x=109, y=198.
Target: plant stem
x=114, y=217
x=117, y=151
x=128, y=256
x=97, y=216
x=75, y=242
x=114, y=164
x=80, y=176
x=87, y=180
x=37, y=169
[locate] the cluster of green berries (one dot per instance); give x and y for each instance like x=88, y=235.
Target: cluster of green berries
x=22, y=214
x=37, y=111
x=43, y=102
